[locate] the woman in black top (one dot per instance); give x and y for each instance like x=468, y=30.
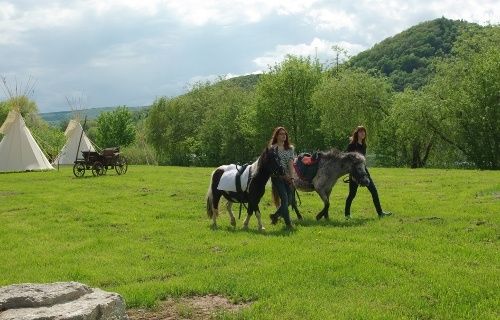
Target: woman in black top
x=357, y=143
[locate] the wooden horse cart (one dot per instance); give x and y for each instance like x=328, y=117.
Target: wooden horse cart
x=100, y=162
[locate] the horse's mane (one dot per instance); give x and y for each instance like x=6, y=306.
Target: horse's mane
x=256, y=165
x=335, y=154
x=331, y=154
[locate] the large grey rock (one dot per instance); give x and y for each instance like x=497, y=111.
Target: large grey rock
x=59, y=301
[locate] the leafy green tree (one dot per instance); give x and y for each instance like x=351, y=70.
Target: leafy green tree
x=283, y=98
x=115, y=128
x=404, y=140
x=226, y=134
x=448, y=121
x=172, y=126
x=349, y=99
x=210, y=125
x=466, y=98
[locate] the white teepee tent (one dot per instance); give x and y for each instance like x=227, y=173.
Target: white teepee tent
x=69, y=152
x=18, y=150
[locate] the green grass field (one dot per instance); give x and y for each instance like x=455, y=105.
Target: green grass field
x=146, y=235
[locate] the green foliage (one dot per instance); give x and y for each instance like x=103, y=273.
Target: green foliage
x=210, y=125
x=284, y=99
x=172, y=126
x=145, y=235
x=465, y=98
x=49, y=138
x=349, y=99
x=405, y=140
x=115, y=128
x=23, y=104
x=226, y=134
x=247, y=82
x=406, y=58
x=140, y=152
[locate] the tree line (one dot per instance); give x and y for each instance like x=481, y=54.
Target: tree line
x=450, y=121
x=447, y=117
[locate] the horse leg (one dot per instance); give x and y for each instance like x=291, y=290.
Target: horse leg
x=215, y=205
x=229, y=206
x=293, y=202
x=325, y=196
x=250, y=211
x=213, y=197
x=259, y=220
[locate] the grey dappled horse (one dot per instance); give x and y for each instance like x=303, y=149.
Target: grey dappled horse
x=332, y=165
x=261, y=170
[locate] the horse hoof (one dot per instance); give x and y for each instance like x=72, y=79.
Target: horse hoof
x=233, y=223
x=261, y=228
x=319, y=216
x=245, y=227
x=274, y=218
x=300, y=217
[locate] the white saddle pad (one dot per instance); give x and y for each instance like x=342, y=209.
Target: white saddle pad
x=228, y=180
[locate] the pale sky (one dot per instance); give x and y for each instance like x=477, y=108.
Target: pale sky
x=105, y=53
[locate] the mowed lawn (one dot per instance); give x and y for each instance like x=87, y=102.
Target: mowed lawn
x=146, y=235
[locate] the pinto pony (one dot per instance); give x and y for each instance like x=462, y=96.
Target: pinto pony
x=260, y=171
x=332, y=165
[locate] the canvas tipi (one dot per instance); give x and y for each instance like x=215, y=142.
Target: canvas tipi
x=74, y=132
x=18, y=149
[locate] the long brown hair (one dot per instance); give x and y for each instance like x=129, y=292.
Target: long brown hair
x=354, y=137
x=274, y=138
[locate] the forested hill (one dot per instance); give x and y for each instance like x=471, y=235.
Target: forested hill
x=406, y=57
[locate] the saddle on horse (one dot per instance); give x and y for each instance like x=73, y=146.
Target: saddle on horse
x=235, y=178
x=306, y=165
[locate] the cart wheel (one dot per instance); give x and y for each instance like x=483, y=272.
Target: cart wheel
x=79, y=169
x=97, y=169
x=121, y=165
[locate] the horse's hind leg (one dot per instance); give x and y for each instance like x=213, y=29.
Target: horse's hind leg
x=215, y=209
x=325, y=196
x=229, y=206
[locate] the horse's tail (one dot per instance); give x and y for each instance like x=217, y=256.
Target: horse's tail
x=210, y=210
x=210, y=198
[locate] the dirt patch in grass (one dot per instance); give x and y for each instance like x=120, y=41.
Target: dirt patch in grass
x=198, y=307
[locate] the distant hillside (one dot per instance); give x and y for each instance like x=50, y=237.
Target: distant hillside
x=406, y=57
x=61, y=116
x=247, y=82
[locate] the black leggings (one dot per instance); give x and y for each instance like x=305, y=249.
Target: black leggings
x=353, y=188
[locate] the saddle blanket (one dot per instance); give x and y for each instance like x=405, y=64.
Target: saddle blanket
x=228, y=180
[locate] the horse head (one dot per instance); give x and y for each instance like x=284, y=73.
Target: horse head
x=270, y=161
x=358, y=168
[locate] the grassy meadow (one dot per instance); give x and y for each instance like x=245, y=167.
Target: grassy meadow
x=146, y=235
